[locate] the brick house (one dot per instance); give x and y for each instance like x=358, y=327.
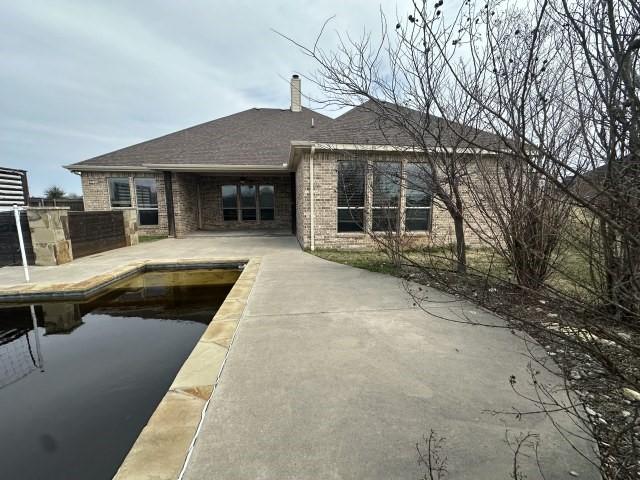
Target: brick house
x=271, y=170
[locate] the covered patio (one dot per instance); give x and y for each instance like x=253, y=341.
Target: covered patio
x=247, y=202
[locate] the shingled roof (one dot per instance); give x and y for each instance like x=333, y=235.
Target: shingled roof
x=259, y=136
x=263, y=136
x=377, y=123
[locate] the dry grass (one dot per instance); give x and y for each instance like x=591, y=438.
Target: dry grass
x=150, y=238
x=481, y=261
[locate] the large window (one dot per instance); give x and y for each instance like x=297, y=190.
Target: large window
x=147, y=200
x=230, y=202
x=418, y=197
x=386, y=196
x=267, y=202
x=351, y=193
x=248, y=203
x=119, y=192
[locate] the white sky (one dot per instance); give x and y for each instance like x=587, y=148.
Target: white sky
x=81, y=78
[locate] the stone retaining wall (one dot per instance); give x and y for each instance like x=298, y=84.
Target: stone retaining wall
x=52, y=237
x=49, y=227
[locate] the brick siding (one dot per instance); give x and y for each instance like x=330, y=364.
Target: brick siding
x=95, y=194
x=198, y=204
x=197, y=200
x=325, y=194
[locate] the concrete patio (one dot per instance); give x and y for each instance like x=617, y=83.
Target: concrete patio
x=333, y=373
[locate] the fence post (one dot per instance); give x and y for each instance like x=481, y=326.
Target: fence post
x=16, y=213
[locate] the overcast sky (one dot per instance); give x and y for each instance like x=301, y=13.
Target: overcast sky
x=81, y=78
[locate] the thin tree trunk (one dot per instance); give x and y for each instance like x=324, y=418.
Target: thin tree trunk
x=461, y=254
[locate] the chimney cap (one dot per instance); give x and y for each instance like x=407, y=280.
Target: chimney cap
x=295, y=75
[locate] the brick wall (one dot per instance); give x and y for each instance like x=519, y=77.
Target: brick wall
x=211, y=202
x=197, y=200
x=185, y=202
x=303, y=213
x=198, y=204
x=95, y=192
x=325, y=184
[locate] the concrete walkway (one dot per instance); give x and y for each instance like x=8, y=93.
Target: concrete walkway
x=334, y=374
x=169, y=249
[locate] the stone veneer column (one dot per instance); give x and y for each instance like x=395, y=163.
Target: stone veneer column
x=130, y=217
x=49, y=228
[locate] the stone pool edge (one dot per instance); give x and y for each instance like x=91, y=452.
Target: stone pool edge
x=87, y=288
x=162, y=447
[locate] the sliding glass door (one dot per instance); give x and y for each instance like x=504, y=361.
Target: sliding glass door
x=248, y=203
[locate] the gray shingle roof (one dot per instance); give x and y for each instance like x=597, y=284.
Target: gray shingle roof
x=378, y=123
x=259, y=136
x=263, y=136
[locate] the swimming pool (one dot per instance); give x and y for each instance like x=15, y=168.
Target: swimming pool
x=76, y=392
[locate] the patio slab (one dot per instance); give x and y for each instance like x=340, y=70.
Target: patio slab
x=333, y=373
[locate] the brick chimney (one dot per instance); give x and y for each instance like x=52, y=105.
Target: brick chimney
x=296, y=96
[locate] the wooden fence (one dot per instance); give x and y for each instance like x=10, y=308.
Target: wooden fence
x=74, y=204
x=94, y=232
x=9, y=244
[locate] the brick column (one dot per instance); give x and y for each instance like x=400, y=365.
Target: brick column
x=185, y=203
x=49, y=228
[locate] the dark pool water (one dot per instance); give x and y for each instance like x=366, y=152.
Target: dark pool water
x=107, y=363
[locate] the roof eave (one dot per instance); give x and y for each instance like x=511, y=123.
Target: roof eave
x=105, y=168
x=173, y=167
x=203, y=167
x=303, y=145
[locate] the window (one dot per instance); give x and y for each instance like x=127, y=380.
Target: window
x=245, y=202
x=119, y=192
x=267, y=202
x=229, y=203
x=147, y=200
x=248, y=202
x=351, y=188
x=386, y=196
x=418, y=197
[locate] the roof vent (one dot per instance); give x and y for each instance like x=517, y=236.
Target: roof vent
x=296, y=95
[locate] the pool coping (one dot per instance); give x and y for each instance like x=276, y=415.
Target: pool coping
x=162, y=447
x=92, y=286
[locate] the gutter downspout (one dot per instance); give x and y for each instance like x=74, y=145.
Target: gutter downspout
x=313, y=218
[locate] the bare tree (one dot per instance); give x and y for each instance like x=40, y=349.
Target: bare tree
x=556, y=184
x=403, y=88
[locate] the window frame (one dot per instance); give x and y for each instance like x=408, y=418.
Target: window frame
x=428, y=209
x=241, y=206
x=377, y=208
x=110, y=181
x=261, y=208
x=150, y=207
x=234, y=209
x=257, y=207
x=361, y=210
